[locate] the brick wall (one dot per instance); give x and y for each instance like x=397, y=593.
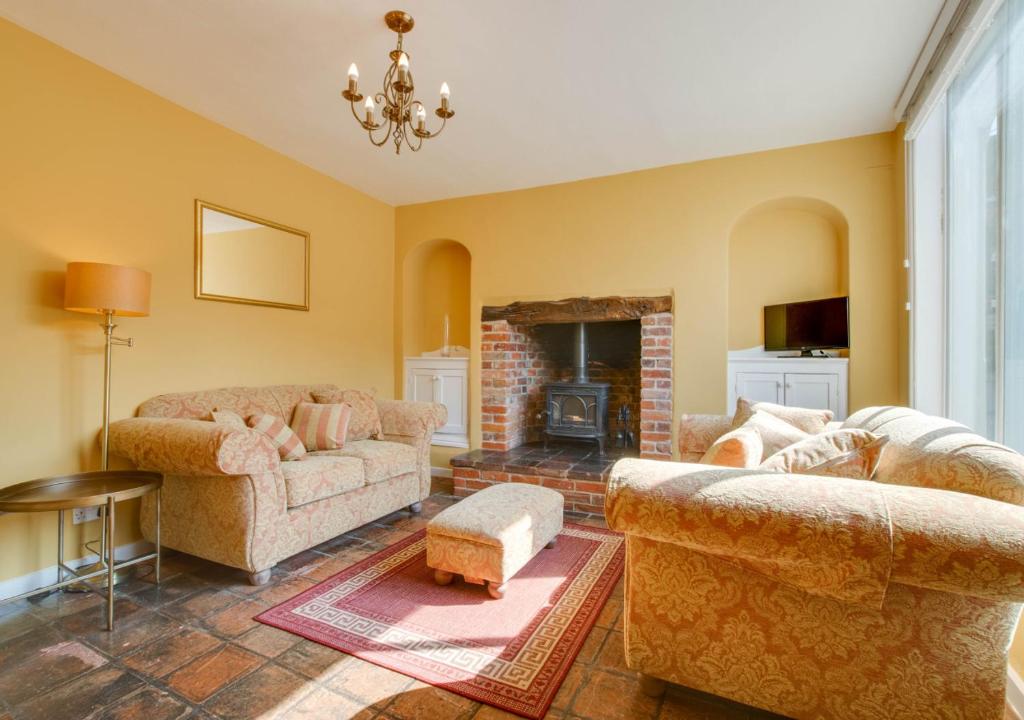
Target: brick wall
x=656, y=386
x=503, y=385
x=516, y=362
x=582, y=496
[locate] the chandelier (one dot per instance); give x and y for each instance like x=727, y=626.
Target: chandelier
x=404, y=120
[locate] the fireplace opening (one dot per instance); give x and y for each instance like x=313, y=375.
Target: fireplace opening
x=587, y=385
x=527, y=348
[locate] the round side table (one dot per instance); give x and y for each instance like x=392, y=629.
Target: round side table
x=89, y=489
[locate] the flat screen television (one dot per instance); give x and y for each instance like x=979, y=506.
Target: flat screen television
x=806, y=326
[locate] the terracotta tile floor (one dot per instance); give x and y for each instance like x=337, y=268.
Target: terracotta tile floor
x=188, y=648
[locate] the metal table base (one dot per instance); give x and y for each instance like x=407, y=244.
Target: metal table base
x=108, y=564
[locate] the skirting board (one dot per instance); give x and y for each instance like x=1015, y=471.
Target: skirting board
x=46, y=576
x=1015, y=691
x=445, y=472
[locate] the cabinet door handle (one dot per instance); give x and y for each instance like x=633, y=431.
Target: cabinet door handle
x=436, y=378
x=789, y=386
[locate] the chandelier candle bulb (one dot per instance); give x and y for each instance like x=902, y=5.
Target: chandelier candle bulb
x=403, y=69
x=445, y=94
x=353, y=79
x=369, y=110
x=421, y=118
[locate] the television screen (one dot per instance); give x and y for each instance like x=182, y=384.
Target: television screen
x=812, y=325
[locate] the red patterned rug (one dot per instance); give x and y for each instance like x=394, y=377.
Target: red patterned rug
x=511, y=653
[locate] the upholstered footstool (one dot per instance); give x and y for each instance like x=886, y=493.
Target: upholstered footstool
x=488, y=537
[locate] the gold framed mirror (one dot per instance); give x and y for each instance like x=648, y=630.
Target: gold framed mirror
x=241, y=258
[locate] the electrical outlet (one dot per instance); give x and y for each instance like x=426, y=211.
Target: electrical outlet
x=81, y=515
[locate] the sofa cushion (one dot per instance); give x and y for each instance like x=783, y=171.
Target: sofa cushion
x=316, y=477
x=382, y=460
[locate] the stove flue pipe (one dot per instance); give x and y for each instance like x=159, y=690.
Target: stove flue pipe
x=580, y=354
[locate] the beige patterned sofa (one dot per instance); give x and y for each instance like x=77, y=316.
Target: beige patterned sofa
x=826, y=597
x=227, y=496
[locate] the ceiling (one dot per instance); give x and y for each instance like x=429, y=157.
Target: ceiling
x=545, y=91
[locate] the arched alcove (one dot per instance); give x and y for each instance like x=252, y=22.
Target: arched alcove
x=435, y=277
x=780, y=251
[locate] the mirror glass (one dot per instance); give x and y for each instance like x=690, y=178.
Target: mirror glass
x=244, y=259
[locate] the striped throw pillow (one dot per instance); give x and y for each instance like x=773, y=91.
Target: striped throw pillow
x=321, y=427
x=365, y=421
x=286, y=441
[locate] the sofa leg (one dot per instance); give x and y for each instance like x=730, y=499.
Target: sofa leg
x=551, y=543
x=260, y=578
x=652, y=686
x=496, y=590
x=442, y=577
x=416, y=508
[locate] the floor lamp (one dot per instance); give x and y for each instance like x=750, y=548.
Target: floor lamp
x=107, y=290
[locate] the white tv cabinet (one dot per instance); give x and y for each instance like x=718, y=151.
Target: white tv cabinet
x=818, y=382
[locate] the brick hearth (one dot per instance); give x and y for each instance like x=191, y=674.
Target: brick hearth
x=577, y=471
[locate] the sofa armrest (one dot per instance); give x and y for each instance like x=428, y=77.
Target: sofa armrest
x=957, y=543
x=192, y=447
x=697, y=433
x=411, y=419
x=829, y=538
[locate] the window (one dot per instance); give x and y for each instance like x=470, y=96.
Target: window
x=968, y=356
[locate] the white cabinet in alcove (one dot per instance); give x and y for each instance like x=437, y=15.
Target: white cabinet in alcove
x=818, y=382
x=443, y=380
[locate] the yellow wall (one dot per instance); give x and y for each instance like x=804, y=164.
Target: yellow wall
x=667, y=231
x=96, y=168
x=435, y=284
x=779, y=255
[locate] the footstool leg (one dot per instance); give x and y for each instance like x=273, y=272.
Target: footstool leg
x=551, y=543
x=416, y=508
x=497, y=591
x=442, y=577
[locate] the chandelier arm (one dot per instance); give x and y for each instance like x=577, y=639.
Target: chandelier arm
x=406, y=135
x=352, y=104
x=384, y=138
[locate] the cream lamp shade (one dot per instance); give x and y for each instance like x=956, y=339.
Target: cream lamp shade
x=98, y=287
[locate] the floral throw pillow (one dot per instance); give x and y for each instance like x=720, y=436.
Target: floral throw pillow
x=849, y=453
x=808, y=420
x=775, y=433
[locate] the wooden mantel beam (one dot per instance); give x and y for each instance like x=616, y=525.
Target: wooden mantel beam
x=581, y=309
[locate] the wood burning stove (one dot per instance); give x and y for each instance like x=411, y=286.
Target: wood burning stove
x=578, y=409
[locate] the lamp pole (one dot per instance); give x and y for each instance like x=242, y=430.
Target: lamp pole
x=111, y=340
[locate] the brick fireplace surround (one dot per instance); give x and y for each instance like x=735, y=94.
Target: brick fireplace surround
x=514, y=368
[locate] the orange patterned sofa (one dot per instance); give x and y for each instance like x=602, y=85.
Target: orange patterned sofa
x=826, y=597
x=227, y=496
